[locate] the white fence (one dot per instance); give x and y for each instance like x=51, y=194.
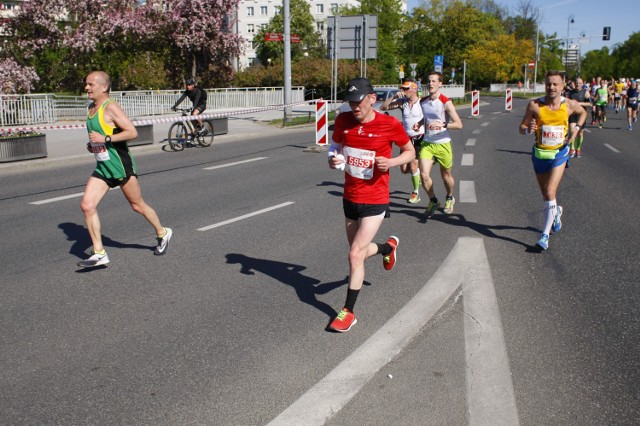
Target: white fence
x=46, y=108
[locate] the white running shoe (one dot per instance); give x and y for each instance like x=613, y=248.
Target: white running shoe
x=96, y=259
x=163, y=243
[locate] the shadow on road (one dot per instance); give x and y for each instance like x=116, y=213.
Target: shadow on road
x=307, y=288
x=81, y=241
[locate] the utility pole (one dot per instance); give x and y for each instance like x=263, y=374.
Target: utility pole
x=287, y=59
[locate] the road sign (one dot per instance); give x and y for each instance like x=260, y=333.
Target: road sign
x=531, y=64
x=273, y=37
x=295, y=38
x=354, y=37
x=438, y=62
x=413, y=66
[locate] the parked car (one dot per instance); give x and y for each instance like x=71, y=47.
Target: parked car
x=382, y=94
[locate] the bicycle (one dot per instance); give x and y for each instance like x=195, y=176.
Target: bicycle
x=184, y=133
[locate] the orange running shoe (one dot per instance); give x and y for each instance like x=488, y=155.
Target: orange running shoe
x=389, y=260
x=344, y=321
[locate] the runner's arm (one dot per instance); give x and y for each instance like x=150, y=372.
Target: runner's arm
x=454, y=122
x=116, y=115
x=391, y=103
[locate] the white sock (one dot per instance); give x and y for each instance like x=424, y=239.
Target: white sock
x=550, y=211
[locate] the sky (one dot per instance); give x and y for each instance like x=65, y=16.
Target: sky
x=590, y=16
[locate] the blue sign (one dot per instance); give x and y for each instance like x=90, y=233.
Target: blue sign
x=438, y=63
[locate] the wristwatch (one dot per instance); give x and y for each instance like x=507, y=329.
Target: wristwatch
x=445, y=124
x=577, y=126
x=107, y=139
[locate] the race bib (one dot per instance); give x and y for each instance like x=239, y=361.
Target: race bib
x=552, y=135
x=633, y=100
x=359, y=162
x=100, y=151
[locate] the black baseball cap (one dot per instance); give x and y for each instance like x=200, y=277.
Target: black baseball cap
x=357, y=89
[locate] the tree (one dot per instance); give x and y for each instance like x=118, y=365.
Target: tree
x=626, y=59
x=302, y=24
x=186, y=37
x=15, y=78
x=598, y=63
x=500, y=59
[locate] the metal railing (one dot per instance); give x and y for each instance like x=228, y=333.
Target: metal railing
x=17, y=110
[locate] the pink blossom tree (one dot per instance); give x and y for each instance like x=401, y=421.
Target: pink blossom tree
x=15, y=78
x=65, y=39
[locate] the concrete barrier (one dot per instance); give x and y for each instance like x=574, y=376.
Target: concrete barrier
x=23, y=148
x=220, y=125
x=145, y=135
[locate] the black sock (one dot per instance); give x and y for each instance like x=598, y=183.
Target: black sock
x=352, y=296
x=384, y=249
x=434, y=200
x=449, y=197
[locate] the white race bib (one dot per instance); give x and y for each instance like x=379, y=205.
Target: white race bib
x=359, y=162
x=552, y=135
x=100, y=151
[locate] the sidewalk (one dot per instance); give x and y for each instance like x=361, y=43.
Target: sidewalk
x=70, y=143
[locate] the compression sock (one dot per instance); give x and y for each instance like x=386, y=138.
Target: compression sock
x=578, y=142
x=550, y=210
x=352, y=296
x=415, y=179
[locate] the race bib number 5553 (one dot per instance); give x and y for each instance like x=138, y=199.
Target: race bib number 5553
x=359, y=162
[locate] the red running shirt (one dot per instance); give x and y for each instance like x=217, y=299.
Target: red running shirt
x=364, y=183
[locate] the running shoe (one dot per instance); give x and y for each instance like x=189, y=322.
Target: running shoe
x=163, y=242
x=543, y=242
x=578, y=154
x=448, y=205
x=389, y=260
x=431, y=208
x=600, y=126
x=202, y=131
x=630, y=127
x=593, y=122
x=415, y=198
x=344, y=321
x=572, y=153
x=557, y=223
x=96, y=259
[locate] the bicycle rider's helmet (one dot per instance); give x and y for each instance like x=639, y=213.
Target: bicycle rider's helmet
x=190, y=80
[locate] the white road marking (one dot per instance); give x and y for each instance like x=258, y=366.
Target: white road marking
x=467, y=160
x=235, y=163
x=336, y=389
x=476, y=132
x=63, y=197
x=496, y=112
x=490, y=395
x=468, y=191
x=245, y=216
x=53, y=200
x=471, y=142
x=485, y=124
x=612, y=148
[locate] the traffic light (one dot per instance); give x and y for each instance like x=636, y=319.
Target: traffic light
x=606, y=33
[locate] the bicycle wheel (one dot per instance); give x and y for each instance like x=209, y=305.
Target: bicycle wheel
x=177, y=136
x=207, y=138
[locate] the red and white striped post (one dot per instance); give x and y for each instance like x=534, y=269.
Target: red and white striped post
x=321, y=123
x=475, y=103
x=508, y=101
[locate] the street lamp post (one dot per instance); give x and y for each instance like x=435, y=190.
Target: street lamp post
x=570, y=20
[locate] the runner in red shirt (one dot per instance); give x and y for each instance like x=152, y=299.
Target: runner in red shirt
x=362, y=145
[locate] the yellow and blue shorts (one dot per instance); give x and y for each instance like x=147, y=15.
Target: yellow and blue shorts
x=546, y=159
x=440, y=153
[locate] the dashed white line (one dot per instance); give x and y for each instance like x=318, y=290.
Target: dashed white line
x=467, y=160
x=476, y=131
x=245, y=216
x=485, y=124
x=471, y=142
x=468, y=192
x=53, y=200
x=63, y=197
x=612, y=148
x=234, y=163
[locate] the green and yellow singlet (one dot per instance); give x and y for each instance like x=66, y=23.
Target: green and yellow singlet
x=114, y=160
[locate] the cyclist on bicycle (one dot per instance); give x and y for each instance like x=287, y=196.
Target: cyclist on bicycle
x=198, y=97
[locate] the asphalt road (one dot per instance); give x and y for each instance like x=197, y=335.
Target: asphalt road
x=229, y=328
